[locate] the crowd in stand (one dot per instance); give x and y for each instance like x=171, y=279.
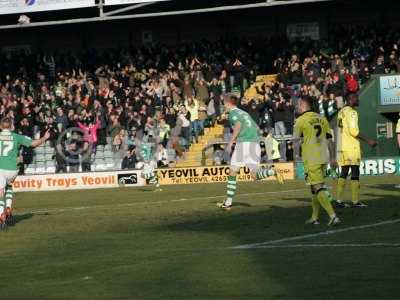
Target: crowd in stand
x=170, y=94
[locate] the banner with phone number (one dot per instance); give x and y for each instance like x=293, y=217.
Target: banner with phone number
x=215, y=174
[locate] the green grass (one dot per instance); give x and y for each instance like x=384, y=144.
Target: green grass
x=130, y=243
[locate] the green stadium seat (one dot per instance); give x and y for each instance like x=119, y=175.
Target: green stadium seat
x=49, y=156
x=40, y=168
x=40, y=157
x=108, y=154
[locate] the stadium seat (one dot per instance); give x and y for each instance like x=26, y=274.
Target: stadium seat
x=30, y=169
x=40, y=150
x=40, y=168
x=99, y=167
x=109, y=162
x=49, y=150
x=117, y=163
x=108, y=154
x=40, y=157
x=50, y=169
x=49, y=156
x=171, y=154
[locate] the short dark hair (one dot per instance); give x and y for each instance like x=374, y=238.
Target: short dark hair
x=309, y=101
x=350, y=96
x=231, y=98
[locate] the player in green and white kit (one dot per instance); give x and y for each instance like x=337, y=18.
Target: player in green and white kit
x=146, y=150
x=10, y=143
x=247, y=153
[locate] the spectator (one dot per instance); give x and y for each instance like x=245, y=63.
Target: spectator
x=61, y=120
x=272, y=153
x=72, y=154
x=192, y=106
x=90, y=134
x=184, y=117
x=137, y=88
x=161, y=156
x=129, y=161
x=164, y=131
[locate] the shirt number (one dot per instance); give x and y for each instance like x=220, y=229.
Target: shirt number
x=6, y=147
x=318, y=129
x=247, y=121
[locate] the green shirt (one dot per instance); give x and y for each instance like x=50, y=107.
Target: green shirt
x=249, y=131
x=146, y=151
x=9, y=146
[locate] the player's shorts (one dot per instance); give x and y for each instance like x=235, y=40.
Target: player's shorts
x=315, y=174
x=7, y=177
x=149, y=169
x=246, y=154
x=349, y=158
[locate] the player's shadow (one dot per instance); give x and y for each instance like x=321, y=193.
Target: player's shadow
x=385, y=187
x=241, y=204
x=288, y=268
x=306, y=200
x=146, y=190
x=22, y=217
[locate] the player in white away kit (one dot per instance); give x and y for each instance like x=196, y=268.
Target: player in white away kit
x=247, y=153
x=10, y=143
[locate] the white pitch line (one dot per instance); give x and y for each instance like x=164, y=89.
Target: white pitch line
x=156, y=202
x=360, y=245
x=312, y=235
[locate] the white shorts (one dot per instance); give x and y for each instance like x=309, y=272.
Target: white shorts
x=149, y=168
x=7, y=177
x=246, y=154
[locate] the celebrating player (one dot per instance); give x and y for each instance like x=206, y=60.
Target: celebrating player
x=316, y=146
x=150, y=164
x=349, y=152
x=247, y=153
x=9, y=147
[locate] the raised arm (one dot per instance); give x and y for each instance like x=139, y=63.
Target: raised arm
x=42, y=140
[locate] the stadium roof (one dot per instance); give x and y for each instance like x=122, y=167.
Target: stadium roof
x=100, y=12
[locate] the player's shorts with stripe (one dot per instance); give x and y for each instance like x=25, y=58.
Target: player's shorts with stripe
x=246, y=154
x=349, y=158
x=7, y=177
x=315, y=174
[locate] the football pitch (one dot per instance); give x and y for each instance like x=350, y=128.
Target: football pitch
x=131, y=243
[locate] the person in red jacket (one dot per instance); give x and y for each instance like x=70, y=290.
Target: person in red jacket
x=351, y=83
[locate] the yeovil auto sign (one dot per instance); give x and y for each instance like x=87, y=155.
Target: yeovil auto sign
x=26, y=6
